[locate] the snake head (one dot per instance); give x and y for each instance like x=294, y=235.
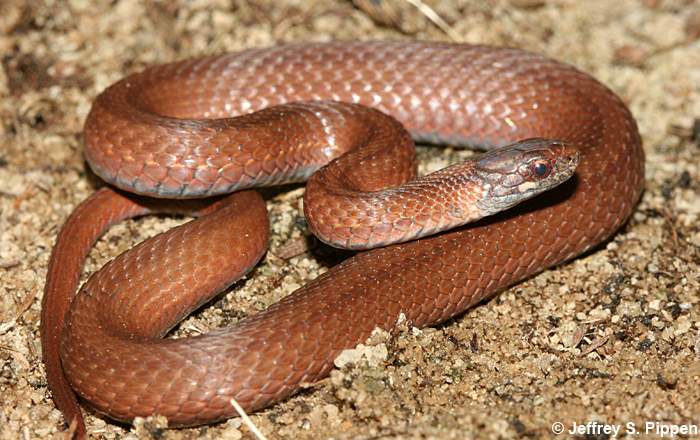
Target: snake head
x=522, y=170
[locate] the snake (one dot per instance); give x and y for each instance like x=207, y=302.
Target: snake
x=177, y=137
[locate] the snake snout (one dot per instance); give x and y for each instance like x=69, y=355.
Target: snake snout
x=566, y=161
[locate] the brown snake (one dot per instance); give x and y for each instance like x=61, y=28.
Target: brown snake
x=105, y=342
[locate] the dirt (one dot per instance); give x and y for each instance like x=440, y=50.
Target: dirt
x=612, y=337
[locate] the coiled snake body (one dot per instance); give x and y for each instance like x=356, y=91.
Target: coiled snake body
x=141, y=137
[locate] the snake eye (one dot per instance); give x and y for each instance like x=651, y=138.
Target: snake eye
x=541, y=169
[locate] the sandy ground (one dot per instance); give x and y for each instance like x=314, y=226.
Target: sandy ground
x=613, y=337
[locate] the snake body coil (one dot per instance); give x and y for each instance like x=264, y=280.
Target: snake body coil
x=140, y=137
